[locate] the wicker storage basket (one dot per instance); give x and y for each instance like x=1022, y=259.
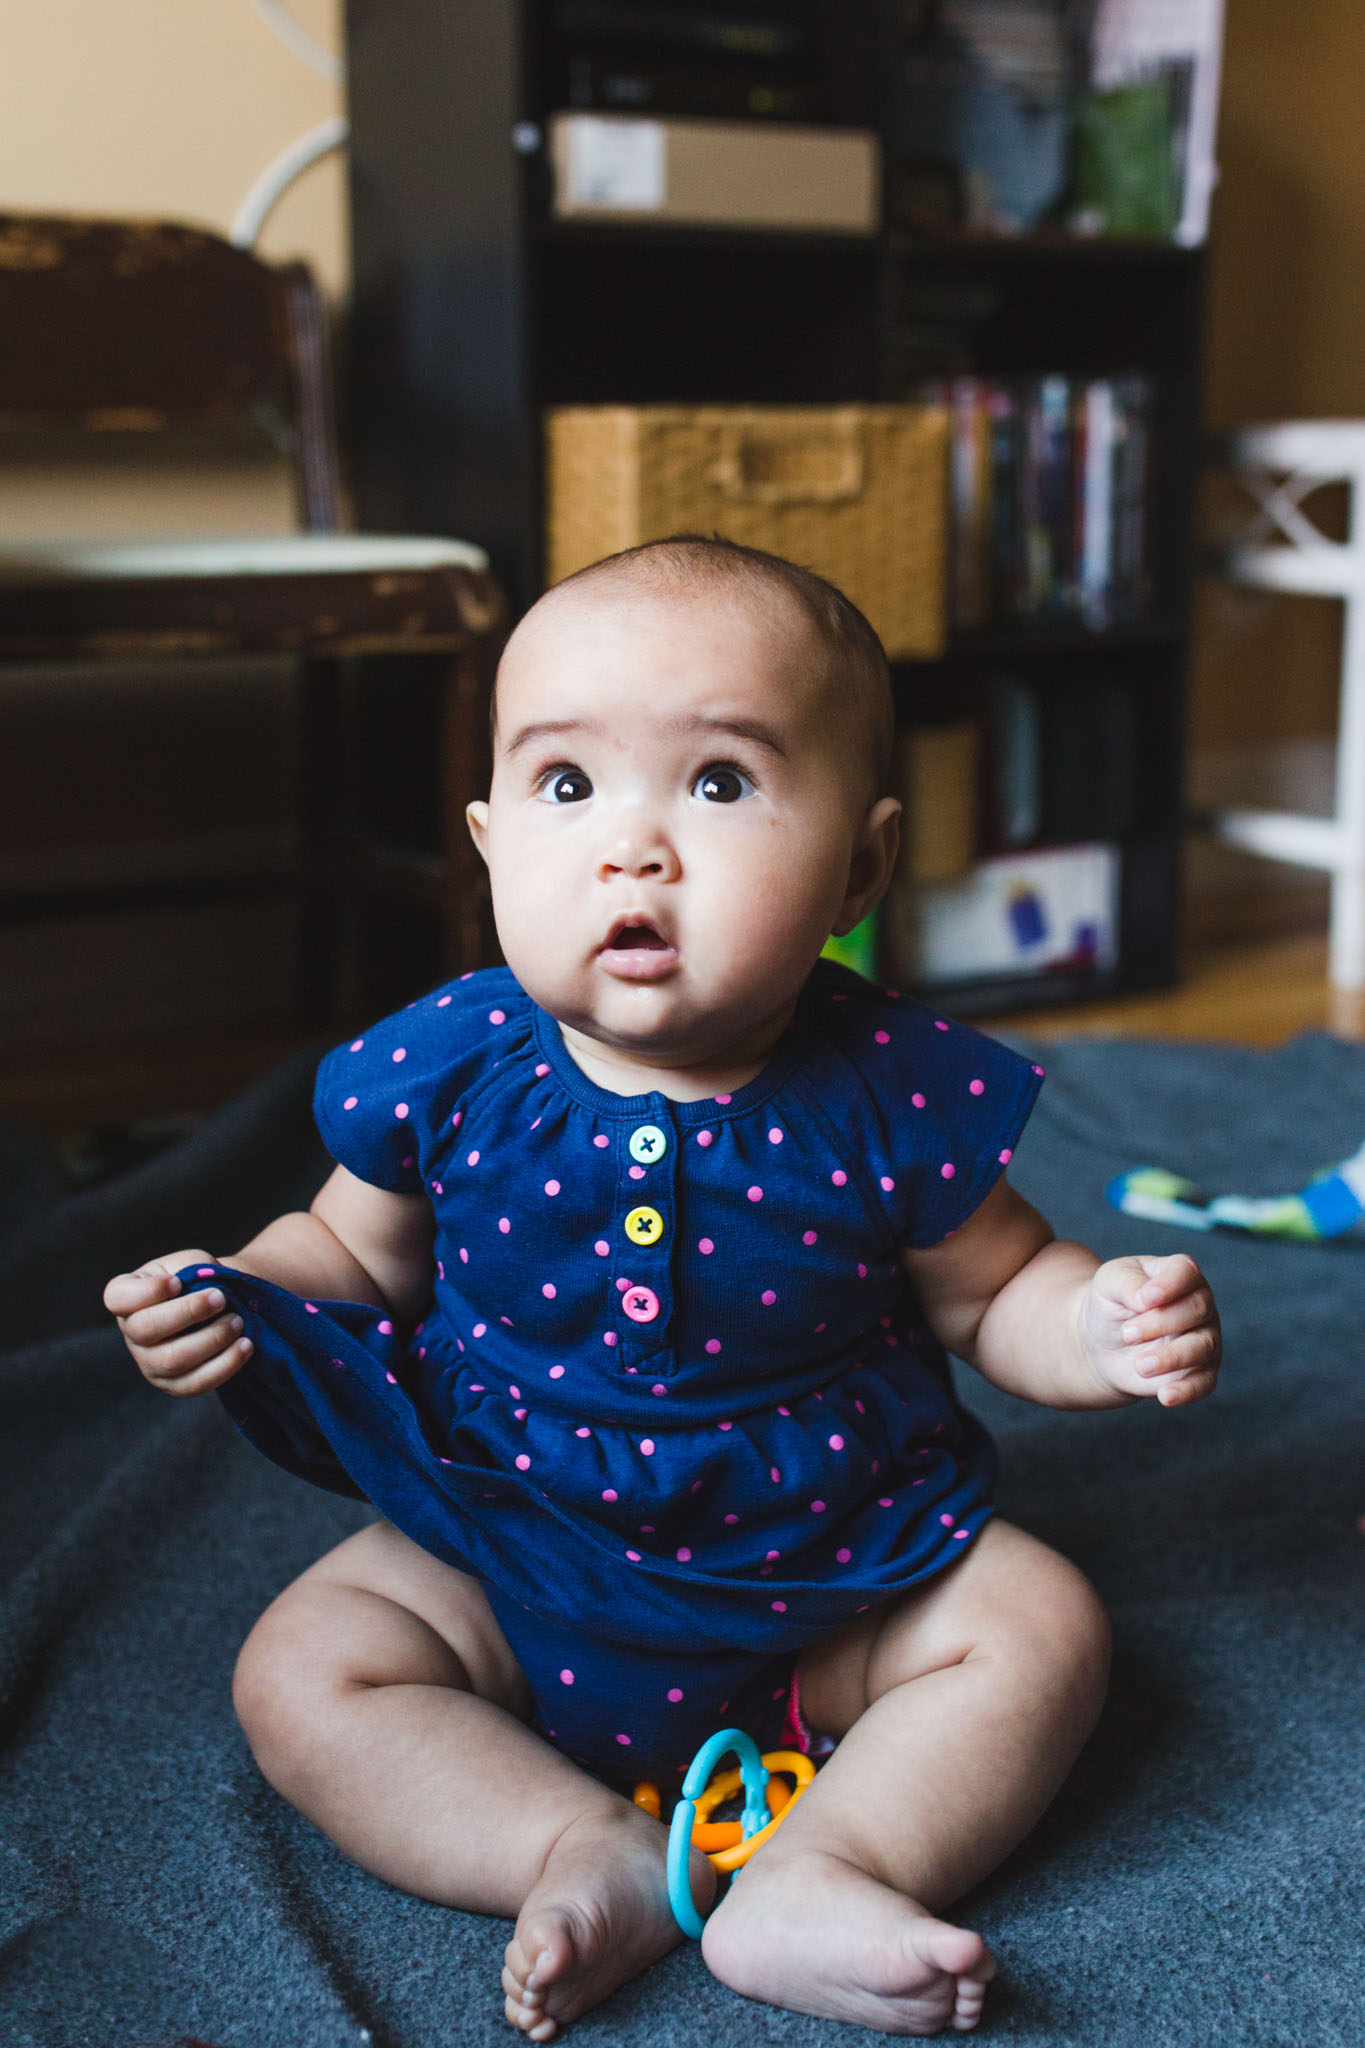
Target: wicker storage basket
x=856, y=492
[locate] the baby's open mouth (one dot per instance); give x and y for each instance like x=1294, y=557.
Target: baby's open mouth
x=636, y=950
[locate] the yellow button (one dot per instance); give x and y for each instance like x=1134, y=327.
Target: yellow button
x=644, y=1226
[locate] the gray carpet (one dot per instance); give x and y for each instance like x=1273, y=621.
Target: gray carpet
x=1201, y=1880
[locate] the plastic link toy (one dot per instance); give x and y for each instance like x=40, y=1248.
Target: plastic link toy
x=728, y=1843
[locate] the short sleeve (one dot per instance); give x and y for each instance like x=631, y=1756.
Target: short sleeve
x=386, y=1101
x=937, y=1109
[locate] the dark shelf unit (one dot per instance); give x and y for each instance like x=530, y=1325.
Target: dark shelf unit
x=474, y=309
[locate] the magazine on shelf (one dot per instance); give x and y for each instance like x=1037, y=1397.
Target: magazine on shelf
x=1094, y=117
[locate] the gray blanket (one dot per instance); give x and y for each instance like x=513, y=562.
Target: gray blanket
x=1201, y=1879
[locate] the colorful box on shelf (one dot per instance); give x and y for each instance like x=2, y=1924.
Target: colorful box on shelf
x=856, y=492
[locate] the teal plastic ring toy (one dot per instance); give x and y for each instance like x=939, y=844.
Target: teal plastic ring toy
x=755, y=1816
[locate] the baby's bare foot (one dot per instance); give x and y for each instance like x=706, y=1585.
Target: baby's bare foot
x=813, y=1932
x=599, y=1915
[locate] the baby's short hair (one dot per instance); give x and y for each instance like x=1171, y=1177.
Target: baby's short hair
x=863, y=711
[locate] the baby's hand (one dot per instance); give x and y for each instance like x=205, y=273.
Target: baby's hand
x=183, y=1343
x=1149, y=1326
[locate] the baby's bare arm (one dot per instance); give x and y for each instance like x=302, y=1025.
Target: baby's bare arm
x=356, y=1243
x=1043, y=1318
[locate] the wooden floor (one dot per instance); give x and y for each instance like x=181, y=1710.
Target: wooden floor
x=1257, y=993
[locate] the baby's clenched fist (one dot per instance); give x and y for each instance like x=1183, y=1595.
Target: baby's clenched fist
x=184, y=1343
x=1150, y=1326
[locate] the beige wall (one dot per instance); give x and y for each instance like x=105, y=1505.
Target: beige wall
x=1286, y=332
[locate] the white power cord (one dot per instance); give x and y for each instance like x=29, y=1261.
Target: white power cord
x=323, y=60
x=277, y=177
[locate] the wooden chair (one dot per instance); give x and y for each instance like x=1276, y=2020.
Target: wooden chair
x=126, y=328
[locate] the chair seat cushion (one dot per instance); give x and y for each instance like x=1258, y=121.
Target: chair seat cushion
x=235, y=556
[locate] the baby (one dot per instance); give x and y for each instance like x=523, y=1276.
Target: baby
x=627, y=1305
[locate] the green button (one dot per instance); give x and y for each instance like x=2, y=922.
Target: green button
x=648, y=1144
x=644, y=1226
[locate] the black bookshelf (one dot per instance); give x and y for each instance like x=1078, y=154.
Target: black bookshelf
x=475, y=308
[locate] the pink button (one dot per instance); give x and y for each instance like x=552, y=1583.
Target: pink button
x=641, y=1304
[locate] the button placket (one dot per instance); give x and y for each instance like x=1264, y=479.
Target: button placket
x=644, y=1228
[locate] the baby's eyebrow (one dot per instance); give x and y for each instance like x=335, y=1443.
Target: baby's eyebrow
x=738, y=728
x=546, y=727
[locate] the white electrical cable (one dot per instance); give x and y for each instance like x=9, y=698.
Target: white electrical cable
x=277, y=177
x=278, y=17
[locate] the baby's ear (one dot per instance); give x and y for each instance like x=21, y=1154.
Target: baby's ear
x=874, y=858
x=476, y=817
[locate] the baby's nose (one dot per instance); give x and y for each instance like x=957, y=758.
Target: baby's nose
x=640, y=852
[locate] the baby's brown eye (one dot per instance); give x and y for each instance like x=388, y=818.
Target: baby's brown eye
x=722, y=785
x=566, y=786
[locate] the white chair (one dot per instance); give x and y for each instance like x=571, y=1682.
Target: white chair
x=1283, y=550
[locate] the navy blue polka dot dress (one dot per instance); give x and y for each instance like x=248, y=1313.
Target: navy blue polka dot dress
x=673, y=1402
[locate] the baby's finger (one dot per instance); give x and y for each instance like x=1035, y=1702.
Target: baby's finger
x=167, y=1319
x=1196, y=1351
x=1168, y=1278
x=186, y=1354
x=213, y=1373
x=1187, y=1312
x=1184, y=1388
x=128, y=1292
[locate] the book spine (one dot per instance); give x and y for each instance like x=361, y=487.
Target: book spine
x=1095, y=468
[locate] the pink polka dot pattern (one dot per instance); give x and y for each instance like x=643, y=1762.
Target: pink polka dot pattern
x=712, y=1346
x=918, y=1101
x=947, y=1169
x=472, y=1159
x=610, y=1493
x=939, y=1025
x=810, y=1236
x=839, y=1177
x=675, y=1693
x=624, y=1740
x=566, y=1678
x=523, y=1463
x=634, y=1556
x=442, y=1002
x=385, y=1328
x=399, y=1055
x=480, y=1330
x=350, y=1102
x=705, y=1138
x=684, y=1555
x=755, y=1194
x=768, y=1297
x=844, y=1556
x=552, y=1187
x=836, y=1443
x=602, y=1248
x=647, y=1446
x=976, y=1087
x=356, y=1043
x=584, y=1431
x=779, y=1607
x=705, y=1246
x=887, y=1184
x=609, y=1336
x=400, y=1110
x=724, y=1100
x=883, y=1037
x=497, y=1016
x=775, y=1136
x=601, y=1140
x=1006, y=1156
x=556, y=1372
x=504, y=1224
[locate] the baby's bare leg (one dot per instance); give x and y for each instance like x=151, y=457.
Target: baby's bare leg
x=380, y=1698
x=962, y=1708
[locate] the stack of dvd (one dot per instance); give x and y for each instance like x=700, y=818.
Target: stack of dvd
x=1049, y=500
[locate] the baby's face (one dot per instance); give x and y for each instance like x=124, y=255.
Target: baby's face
x=671, y=833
